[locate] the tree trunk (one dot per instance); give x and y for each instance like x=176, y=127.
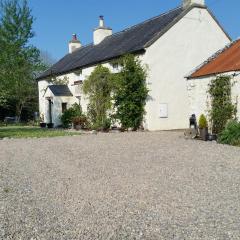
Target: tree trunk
x=19, y=107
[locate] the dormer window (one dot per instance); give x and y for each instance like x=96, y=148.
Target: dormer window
x=115, y=66
x=78, y=72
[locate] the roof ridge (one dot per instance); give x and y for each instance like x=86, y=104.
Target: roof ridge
x=145, y=21
x=213, y=57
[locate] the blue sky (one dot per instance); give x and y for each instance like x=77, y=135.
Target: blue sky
x=57, y=20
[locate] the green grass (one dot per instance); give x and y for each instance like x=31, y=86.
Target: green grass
x=32, y=132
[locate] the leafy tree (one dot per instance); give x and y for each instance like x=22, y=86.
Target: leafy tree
x=222, y=109
x=131, y=92
x=98, y=87
x=19, y=61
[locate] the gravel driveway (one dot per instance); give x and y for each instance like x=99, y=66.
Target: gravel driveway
x=119, y=186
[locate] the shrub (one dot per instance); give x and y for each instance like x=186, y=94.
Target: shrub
x=68, y=116
x=98, y=87
x=106, y=124
x=81, y=120
x=231, y=134
x=202, y=122
x=222, y=108
x=131, y=92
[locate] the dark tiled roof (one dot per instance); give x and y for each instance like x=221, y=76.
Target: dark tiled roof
x=130, y=40
x=225, y=60
x=60, y=90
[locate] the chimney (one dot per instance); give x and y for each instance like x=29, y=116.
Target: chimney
x=74, y=44
x=188, y=3
x=101, y=32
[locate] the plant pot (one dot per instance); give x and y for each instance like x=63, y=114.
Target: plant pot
x=50, y=125
x=203, y=132
x=43, y=125
x=214, y=137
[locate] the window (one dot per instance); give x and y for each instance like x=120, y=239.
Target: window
x=78, y=72
x=64, y=107
x=115, y=66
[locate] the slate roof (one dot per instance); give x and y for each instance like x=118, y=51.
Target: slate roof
x=130, y=40
x=60, y=90
x=225, y=60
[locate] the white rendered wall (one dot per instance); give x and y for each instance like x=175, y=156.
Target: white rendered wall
x=199, y=98
x=181, y=49
x=42, y=86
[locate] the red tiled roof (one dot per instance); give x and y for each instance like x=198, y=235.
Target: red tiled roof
x=226, y=60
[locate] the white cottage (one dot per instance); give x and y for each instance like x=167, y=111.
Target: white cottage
x=224, y=62
x=171, y=44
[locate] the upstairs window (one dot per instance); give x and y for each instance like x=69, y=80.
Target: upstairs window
x=78, y=72
x=115, y=66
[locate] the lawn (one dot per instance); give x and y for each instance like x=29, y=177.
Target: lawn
x=31, y=132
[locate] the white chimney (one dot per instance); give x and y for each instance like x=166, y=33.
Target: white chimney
x=188, y=3
x=101, y=32
x=74, y=44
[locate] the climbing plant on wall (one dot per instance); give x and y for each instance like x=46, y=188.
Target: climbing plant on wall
x=98, y=88
x=131, y=92
x=222, y=108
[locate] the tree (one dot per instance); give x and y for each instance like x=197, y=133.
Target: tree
x=222, y=108
x=131, y=92
x=19, y=61
x=98, y=87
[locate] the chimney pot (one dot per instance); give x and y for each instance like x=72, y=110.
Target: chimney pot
x=74, y=37
x=101, y=21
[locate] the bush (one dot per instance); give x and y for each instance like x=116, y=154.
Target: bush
x=81, y=120
x=98, y=87
x=222, y=109
x=202, y=122
x=131, y=92
x=68, y=116
x=106, y=124
x=231, y=134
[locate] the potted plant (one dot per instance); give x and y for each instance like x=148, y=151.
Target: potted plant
x=80, y=122
x=77, y=123
x=42, y=123
x=50, y=125
x=203, y=127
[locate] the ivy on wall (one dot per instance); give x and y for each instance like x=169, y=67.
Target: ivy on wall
x=222, y=109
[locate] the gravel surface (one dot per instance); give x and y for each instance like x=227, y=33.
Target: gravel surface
x=119, y=186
